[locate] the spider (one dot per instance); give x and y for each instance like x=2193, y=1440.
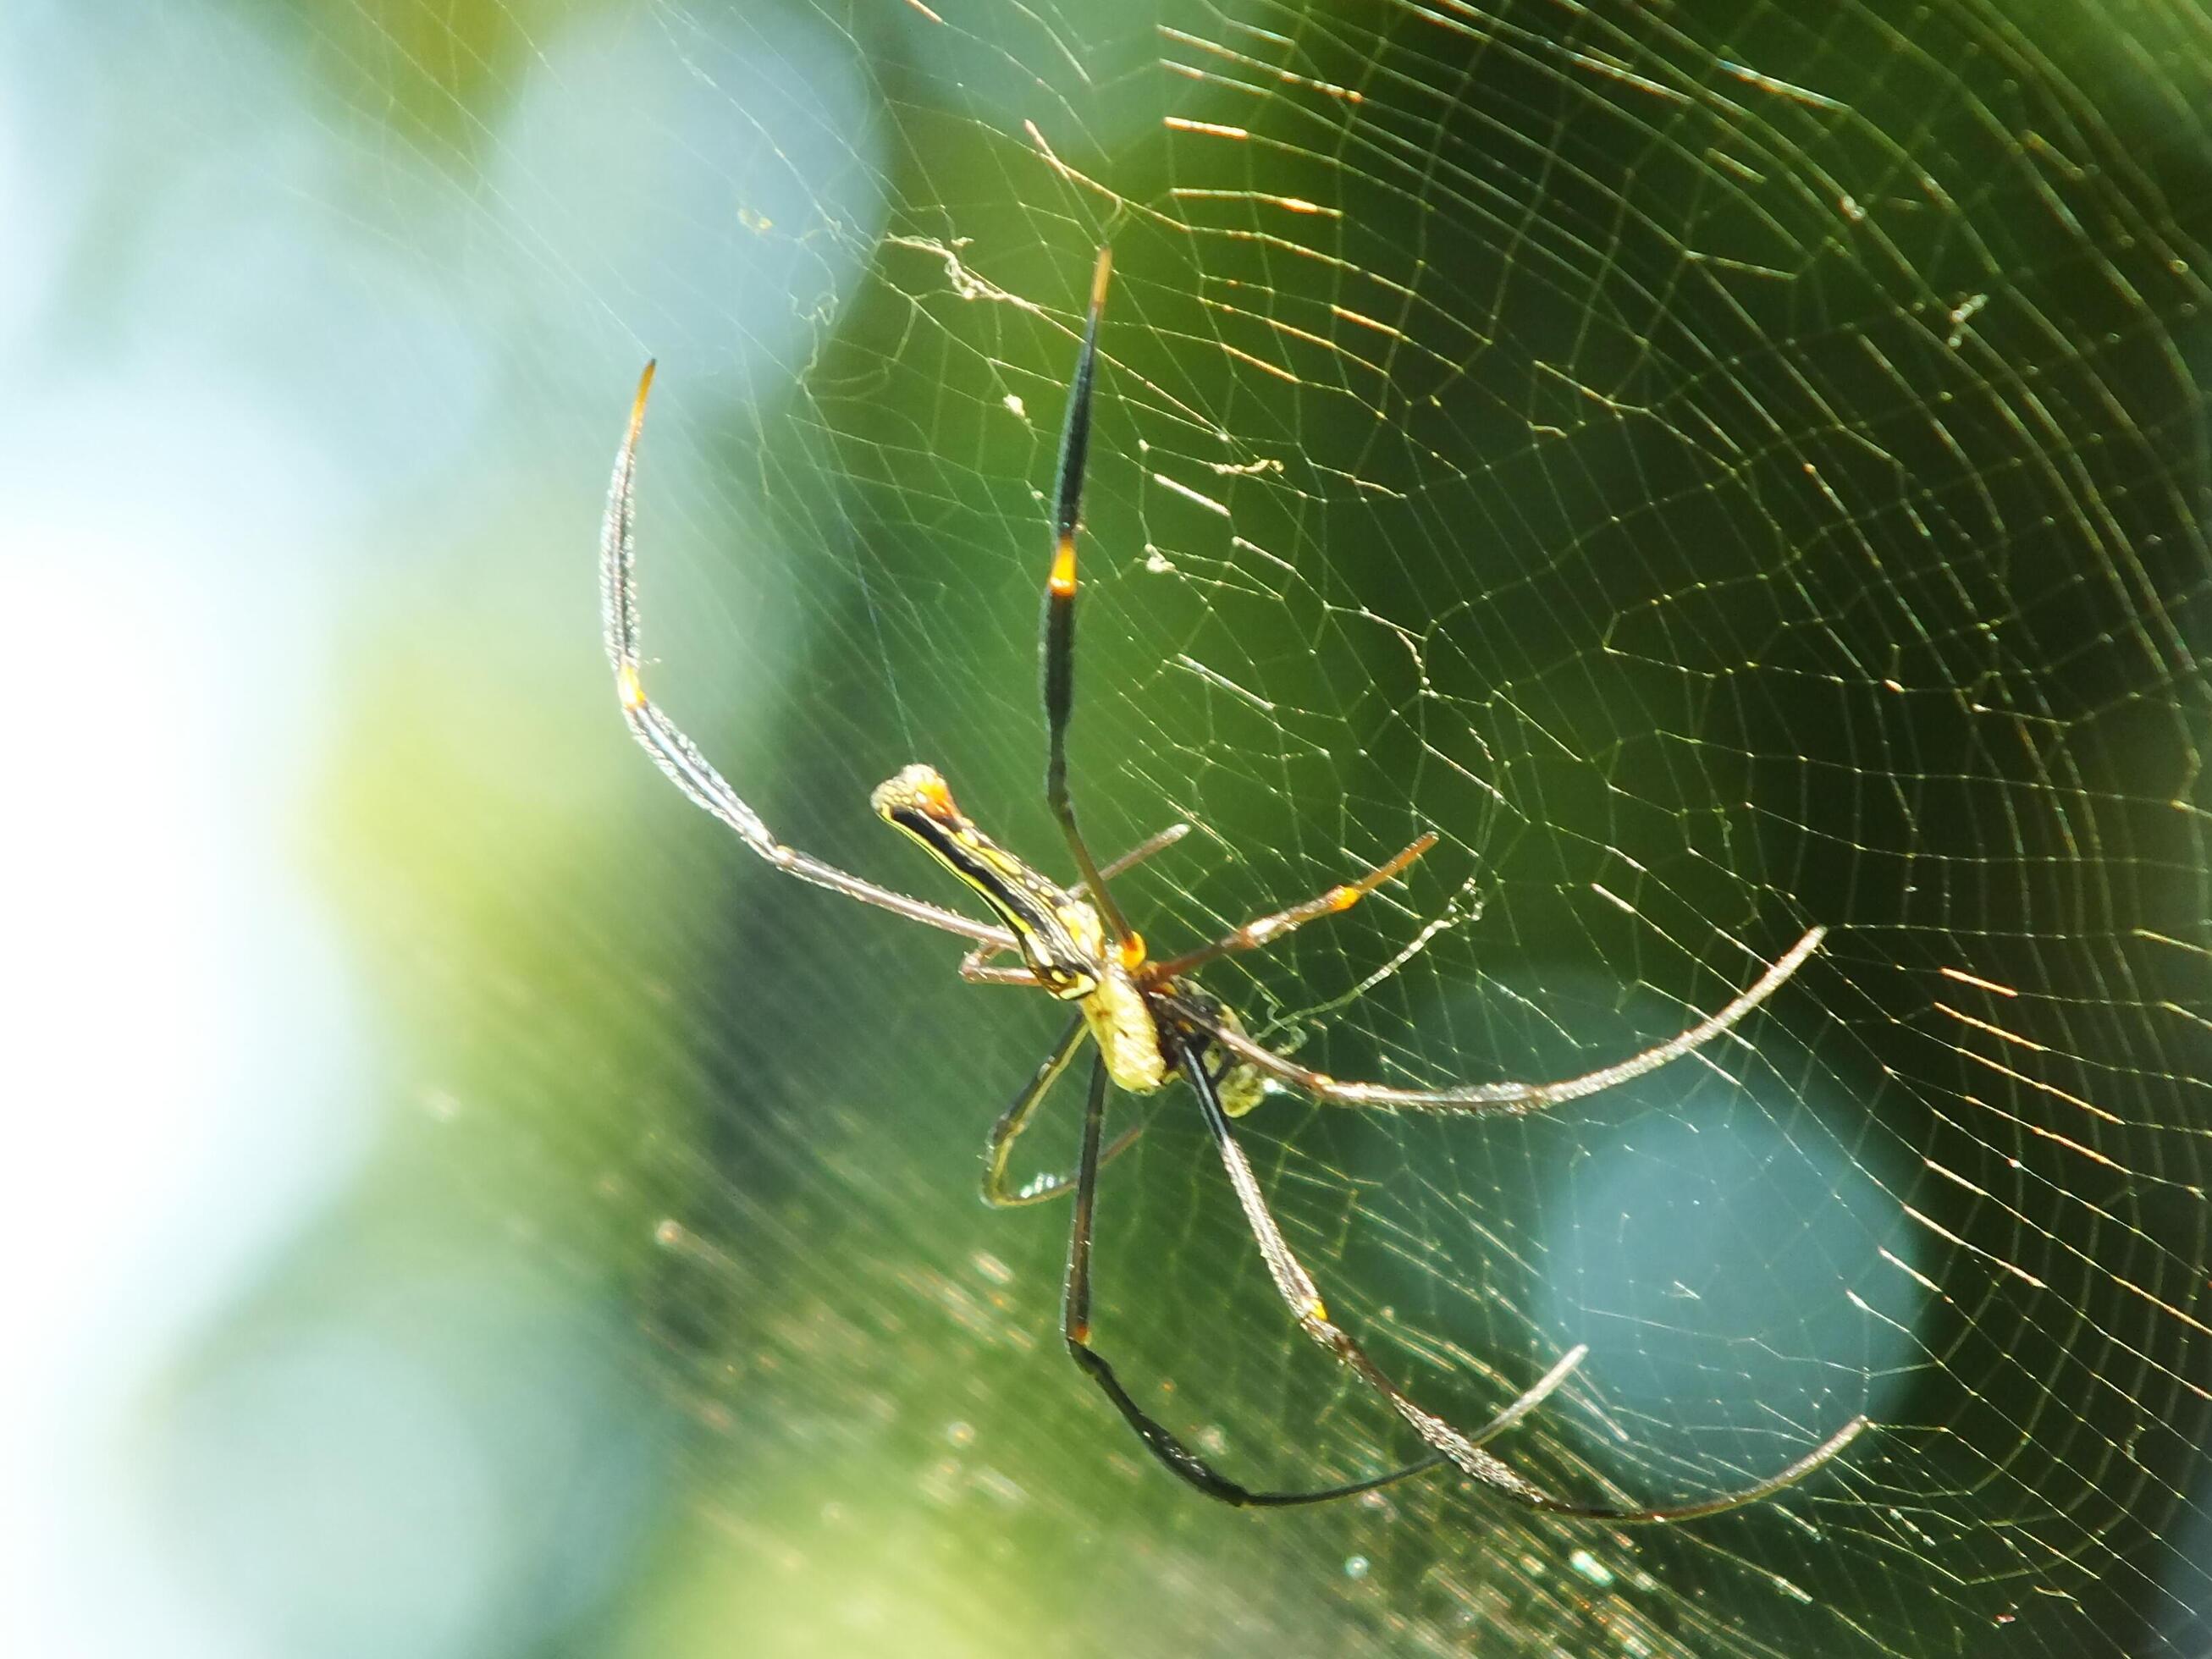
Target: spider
x=1148, y=1018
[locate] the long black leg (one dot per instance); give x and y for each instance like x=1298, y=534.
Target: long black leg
x=1075, y=1326
x=1058, y=650
x=1303, y=1299
x=998, y=1150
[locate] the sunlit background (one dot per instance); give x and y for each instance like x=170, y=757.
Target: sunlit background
x=1727, y=468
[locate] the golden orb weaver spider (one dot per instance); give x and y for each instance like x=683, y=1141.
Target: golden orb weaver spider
x=1147, y=1019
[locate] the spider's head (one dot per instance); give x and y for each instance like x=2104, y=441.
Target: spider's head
x=1046, y=921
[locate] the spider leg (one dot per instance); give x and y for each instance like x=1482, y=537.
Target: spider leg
x=998, y=1149
x=1178, y=1458
x=1143, y=850
x=1267, y=929
x=1057, y=646
x=978, y=971
x=1484, y=1098
x=676, y=754
x=1303, y=1299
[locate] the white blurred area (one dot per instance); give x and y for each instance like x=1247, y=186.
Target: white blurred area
x=184, y=1070
x=237, y=340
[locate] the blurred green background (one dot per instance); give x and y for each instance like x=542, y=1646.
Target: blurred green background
x=1725, y=467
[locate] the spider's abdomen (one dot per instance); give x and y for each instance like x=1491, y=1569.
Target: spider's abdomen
x=1044, y=918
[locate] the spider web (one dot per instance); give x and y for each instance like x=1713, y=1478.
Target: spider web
x=1725, y=469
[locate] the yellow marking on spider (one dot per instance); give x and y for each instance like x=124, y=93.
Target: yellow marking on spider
x=1317, y=1309
x=637, y=407
x=1132, y=952
x=628, y=687
x=1063, y=582
x=1100, y=274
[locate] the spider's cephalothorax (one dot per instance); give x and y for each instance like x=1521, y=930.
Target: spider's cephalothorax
x=1148, y=1018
